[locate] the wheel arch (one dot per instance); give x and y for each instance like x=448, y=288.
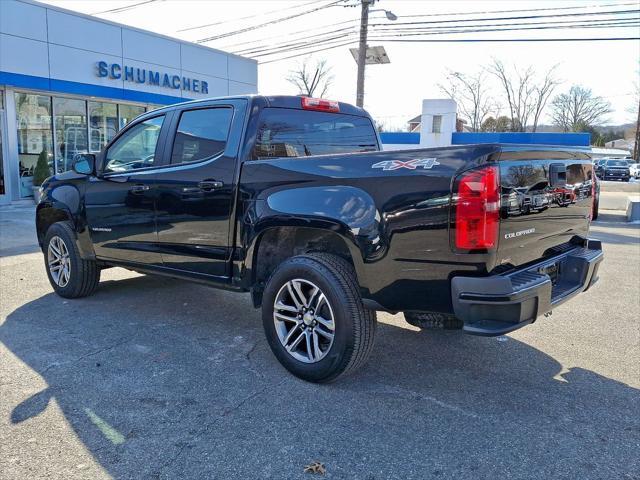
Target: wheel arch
x=275, y=244
x=48, y=213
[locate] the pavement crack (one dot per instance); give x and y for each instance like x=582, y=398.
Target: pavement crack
x=250, y=397
x=86, y=355
x=247, y=357
x=101, y=350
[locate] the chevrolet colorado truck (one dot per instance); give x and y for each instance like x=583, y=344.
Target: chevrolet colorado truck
x=291, y=199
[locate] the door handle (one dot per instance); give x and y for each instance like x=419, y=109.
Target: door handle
x=209, y=185
x=140, y=188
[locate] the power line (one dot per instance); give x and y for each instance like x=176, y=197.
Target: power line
x=459, y=23
x=606, y=5
x=204, y=40
x=613, y=24
x=309, y=52
x=558, y=27
x=306, y=30
x=464, y=40
x=272, y=22
x=329, y=37
x=523, y=24
x=525, y=17
x=324, y=36
x=247, y=17
x=484, y=40
x=122, y=9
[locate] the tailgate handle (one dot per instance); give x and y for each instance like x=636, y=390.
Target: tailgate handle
x=557, y=175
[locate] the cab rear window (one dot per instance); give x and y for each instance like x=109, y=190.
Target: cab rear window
x=300, y=133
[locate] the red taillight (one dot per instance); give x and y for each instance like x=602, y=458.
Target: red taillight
x=478, y=209
x=320, y=104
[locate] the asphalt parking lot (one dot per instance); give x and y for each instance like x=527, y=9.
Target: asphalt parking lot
x=156, y=378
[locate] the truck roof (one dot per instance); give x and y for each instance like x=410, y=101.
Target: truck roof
x=278, y=101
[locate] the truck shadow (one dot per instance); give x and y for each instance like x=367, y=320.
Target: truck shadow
x=165, y=379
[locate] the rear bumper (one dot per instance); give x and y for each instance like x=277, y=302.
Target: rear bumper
x=502, y=303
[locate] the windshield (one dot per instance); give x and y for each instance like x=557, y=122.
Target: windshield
x=300, y=133
x=616, y=163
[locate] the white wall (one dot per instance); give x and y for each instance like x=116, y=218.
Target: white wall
x=447, y=109
x=49, y=42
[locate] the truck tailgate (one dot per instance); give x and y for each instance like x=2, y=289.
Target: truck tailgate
x=546, y=201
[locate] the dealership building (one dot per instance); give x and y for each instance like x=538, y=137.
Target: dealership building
x=69, y=82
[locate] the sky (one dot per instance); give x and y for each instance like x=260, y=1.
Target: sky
x=394, y=92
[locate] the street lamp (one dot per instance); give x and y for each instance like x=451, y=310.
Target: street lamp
x=390, y=15
x=362, y=49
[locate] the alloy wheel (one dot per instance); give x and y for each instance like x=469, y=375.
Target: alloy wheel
x=59, y=261
x=304, y=320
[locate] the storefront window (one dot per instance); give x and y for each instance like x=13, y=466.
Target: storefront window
x=33, y=118
x=128, y=113
x=103, y=124
x=70, y=118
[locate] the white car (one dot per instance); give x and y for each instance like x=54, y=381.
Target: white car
x=634, y=170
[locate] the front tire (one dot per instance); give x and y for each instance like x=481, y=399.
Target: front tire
x=69, y=274
x=314, y=319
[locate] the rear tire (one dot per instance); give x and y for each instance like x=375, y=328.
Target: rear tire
x=69, y=274
x=292, y=310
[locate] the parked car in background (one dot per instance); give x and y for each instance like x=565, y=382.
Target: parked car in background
x=634, y=170
x=613, y=170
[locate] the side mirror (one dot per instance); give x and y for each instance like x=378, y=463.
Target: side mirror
x=85, y=164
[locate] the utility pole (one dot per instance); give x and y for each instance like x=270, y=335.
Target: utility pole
x=362, y=51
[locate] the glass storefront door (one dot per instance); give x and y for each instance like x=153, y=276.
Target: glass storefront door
x=103, y=124
x=33, y=117
x=70, y=120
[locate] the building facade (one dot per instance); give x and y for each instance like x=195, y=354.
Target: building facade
x=69, y=82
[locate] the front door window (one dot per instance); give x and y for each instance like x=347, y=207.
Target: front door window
x=136, y=148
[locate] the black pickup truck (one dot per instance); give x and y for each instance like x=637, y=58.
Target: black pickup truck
x=289, y=198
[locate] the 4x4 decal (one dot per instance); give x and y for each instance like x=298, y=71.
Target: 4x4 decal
x=426, y=163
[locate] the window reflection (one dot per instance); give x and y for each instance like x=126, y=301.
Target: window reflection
x=135, y=148
x=128, y=113
x=33, y=118
x=70, y=120
x=103, y=124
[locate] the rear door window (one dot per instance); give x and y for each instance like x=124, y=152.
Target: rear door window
x=300, y=133
x=201, y=134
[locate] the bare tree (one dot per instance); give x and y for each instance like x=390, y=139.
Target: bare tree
x=525, y=95
x=311, y=80
x=542, y=91
x=579, y=109
x=471, y=94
